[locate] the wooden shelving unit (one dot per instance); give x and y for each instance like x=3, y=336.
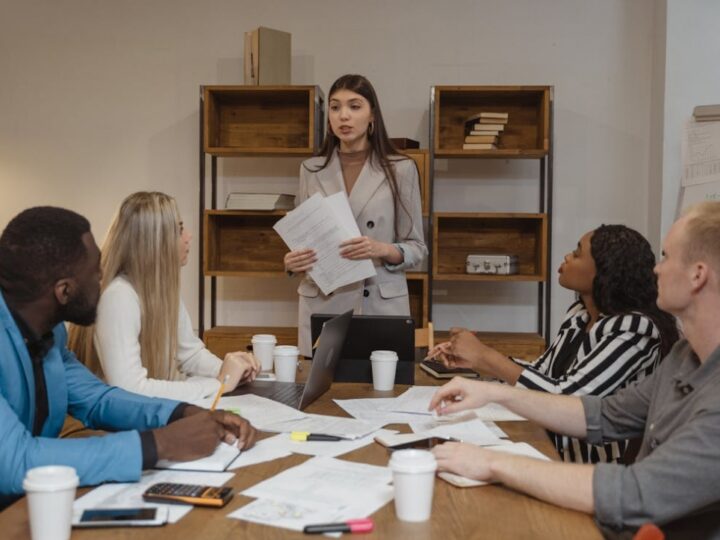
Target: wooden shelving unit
x=527, y=135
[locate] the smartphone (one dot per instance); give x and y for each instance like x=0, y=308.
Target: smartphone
x=421, y=444
x=121, y=517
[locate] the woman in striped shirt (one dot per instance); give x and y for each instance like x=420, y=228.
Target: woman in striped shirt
x=614, y=334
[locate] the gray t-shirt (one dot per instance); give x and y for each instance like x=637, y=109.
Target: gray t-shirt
x=677, y=472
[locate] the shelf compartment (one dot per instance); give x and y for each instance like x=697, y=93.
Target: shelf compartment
x=527, y=346
x=221, y=340
x=422, y=160
x=267, y=120
x=526, y=135
x=418, y=292
x=243, y=243
x=457, y=235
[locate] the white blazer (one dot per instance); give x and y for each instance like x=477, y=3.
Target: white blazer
x=371, y=202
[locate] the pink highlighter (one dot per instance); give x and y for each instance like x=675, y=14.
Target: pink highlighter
x=364, y=525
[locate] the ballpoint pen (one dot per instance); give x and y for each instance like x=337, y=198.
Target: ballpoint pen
x=219, y=392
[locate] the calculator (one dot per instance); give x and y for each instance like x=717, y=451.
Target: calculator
x=167, y=492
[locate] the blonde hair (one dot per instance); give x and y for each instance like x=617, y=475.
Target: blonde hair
x=142, y=246
x=702, y=233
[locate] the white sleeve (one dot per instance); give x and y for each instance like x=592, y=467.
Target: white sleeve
x=193, y=357
x=117, y=342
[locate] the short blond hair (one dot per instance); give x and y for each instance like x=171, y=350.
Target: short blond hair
x=702, y=233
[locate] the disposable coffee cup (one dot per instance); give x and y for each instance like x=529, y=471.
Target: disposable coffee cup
x=414, y=480
x=384, y=365
x=263, y=347
x=286, y=359
x=50, y=494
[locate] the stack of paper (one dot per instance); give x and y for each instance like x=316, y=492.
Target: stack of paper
x=218, y=461
x=321, y=490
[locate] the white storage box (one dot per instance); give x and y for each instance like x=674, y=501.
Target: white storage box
x=491, y=264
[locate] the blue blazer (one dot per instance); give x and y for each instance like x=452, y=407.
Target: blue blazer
x=73, y=390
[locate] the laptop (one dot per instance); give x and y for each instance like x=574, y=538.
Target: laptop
x=322, y=369
x=368, y=333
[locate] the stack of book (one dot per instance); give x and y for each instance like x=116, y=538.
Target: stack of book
x=482, y=130
x=260, y=201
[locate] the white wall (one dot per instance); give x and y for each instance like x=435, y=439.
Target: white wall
x=99, y=98
x=692, y=77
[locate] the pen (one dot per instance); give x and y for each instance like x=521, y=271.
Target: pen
x=351, y=525
x=220, y=391
x=307, y=436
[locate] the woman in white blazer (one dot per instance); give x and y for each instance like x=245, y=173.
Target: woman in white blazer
x=383, y=189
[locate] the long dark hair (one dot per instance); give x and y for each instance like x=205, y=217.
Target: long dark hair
x=381, y=148
x=625, y=281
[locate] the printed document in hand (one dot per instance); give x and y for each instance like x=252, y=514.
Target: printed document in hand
x=129, y=495
x=323, y=223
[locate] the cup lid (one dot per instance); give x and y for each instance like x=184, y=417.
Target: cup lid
x=384, y=356
x=286, y=350
x=264, y=338
x=50, y=478
x=412, y=461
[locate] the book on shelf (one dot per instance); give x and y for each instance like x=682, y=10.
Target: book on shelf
x=479, y=146
x=706, y=113
x=486, y=117
x=492, y=139
x=259, y=201
x=475, y=132
x=487, y=127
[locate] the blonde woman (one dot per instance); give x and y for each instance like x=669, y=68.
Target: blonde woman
x=143, y=339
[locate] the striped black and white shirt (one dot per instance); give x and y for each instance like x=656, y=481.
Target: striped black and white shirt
x=616, y=351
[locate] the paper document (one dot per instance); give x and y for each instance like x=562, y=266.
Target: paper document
x=328, y=448
x=497, y=413
x=374, y=410
x=259, y=411
x=218, y=461
x=323, y=223
x=700, y=151
x=265, y=450
x=129, y=495
x=520, y=449
x=347, y=428
x=466, y=428
x=414, y=400
x=321, y=490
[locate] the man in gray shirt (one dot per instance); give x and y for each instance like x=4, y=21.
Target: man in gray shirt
x=675, y=482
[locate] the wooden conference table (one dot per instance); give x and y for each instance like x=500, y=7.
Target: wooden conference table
x=483, y=512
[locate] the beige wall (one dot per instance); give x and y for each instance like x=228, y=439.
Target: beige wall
x=99, y=98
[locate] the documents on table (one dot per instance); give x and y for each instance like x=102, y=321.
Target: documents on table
x=218, y=461
x=328, y=448
x=416, y=400
x=323, y=223
x=466, y=428
x=264, y=450
x=374, y=410
x=519, y=449
x=321, y=490
x=259, y=411
x=347, y=428
x=129, y=495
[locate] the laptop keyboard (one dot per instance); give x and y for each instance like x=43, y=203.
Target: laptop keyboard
x=288, y=394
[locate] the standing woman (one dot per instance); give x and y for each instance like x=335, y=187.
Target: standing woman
x=383, y=189
x=142, y=339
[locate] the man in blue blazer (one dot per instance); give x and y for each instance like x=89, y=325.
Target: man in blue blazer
x=50, y=273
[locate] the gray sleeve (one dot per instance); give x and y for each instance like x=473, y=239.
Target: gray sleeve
x=678, y=478
x=411, y=240
x=621, y=415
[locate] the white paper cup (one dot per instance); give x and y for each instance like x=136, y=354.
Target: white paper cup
x=384, y=365
x=263, y=347
x=50, y=494
x=414, y=481
x=286, y=359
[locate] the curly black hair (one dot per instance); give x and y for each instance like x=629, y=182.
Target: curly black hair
x=625, y=281
x=38, y=247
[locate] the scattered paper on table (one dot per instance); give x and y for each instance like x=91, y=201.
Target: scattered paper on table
x=340, y=426
x=374, y=410
x=259, y=411
x=129, y=495
x=218, y=461
x=329, y=448
x=466, y=428
x=264, y=450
